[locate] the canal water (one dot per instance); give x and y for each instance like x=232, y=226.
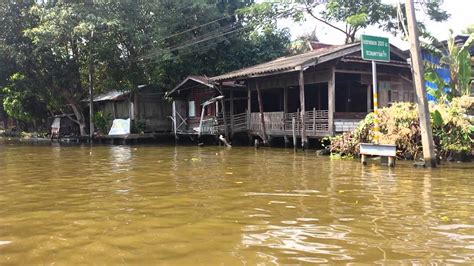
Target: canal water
x=188, y=205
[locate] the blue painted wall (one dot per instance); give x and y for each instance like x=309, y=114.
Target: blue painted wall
x=444, y=72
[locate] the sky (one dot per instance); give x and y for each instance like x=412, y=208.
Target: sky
x=462, y=15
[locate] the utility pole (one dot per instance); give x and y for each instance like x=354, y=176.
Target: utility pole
x=91, y=90
x=418, y=78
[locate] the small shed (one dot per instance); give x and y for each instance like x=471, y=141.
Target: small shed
x=146, y=106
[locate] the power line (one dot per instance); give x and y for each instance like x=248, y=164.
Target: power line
x=206, y=35
x=185, y=31
x=194, y=28
x=190, y=52
x=175, y=48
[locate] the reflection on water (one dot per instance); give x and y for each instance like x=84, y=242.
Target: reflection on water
x=189, y=205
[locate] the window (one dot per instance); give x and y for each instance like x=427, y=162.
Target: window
x=191, y=108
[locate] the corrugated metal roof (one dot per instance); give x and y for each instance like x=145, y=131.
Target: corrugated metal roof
x=203, y=80
x=110, y=95
x=359, y=59
x=313, y=45
x=284, y=63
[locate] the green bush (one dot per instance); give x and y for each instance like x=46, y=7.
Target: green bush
x=140, y=126
x=399, y=125
x=102, y=121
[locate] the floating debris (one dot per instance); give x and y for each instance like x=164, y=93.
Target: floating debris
x=4, y=242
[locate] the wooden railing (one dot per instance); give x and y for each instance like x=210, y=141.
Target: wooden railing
x=276, y=123
x=236, y=123
x=209, y=126
x=280, y=123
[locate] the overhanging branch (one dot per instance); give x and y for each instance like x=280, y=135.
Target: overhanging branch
x=326, y=22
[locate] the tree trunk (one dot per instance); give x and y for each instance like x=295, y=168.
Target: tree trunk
x=76, y=108
x=68, y=94
x=79, y=119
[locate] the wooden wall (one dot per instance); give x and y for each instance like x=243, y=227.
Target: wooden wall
x=151, y=108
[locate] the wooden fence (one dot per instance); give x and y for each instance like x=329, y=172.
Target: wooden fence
x=276, y=123
x=280, y=123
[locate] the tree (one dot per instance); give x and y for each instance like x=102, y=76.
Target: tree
x=469, y=29
x=22, y=95
x=355, y=14
x=48, y=48
x=457, y=59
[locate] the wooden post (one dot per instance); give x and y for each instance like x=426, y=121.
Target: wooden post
x=131, y=109
x=363, y=159
x=226, y=129
x=203, y=109
x=262, y=117
x=287, y=141
x=114, y=109
x=314, y=121
x=331, y=100
x=304, y=139
x=391, y=161
x=231, y=111
x=369, y=99
x=175, y=121
x=293, y=127
x=249, y=105
x=298, y=120
x=285, y=100
x=417, y=66
x=135, y=105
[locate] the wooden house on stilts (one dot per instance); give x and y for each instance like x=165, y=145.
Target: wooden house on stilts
x=201, y=107
x=324, y=91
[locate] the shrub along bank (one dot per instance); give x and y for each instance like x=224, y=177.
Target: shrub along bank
x=453, y=130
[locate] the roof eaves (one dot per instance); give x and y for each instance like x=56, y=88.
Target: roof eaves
x=193, y=78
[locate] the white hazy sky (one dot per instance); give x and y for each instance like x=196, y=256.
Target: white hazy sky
x=462, y=15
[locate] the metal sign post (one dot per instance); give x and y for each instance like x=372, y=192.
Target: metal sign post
x=375, y=49
x=376, y=102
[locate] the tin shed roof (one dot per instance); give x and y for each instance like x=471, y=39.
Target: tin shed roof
x=190, y=82
x=294, y=63
x=287, y=63
x=110, y=95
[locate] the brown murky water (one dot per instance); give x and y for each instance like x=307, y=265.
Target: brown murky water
x=188, y=205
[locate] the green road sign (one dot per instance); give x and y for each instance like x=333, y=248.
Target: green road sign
x=375, y=48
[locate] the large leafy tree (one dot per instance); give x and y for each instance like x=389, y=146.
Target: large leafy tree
x=353, y=14
x=21, y=91
x=51, y=47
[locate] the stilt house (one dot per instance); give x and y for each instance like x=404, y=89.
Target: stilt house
x=325, y=91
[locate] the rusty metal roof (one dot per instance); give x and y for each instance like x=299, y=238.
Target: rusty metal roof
x=190, y=82
x=287, y=63
x=296, y=62
x=112, y=95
